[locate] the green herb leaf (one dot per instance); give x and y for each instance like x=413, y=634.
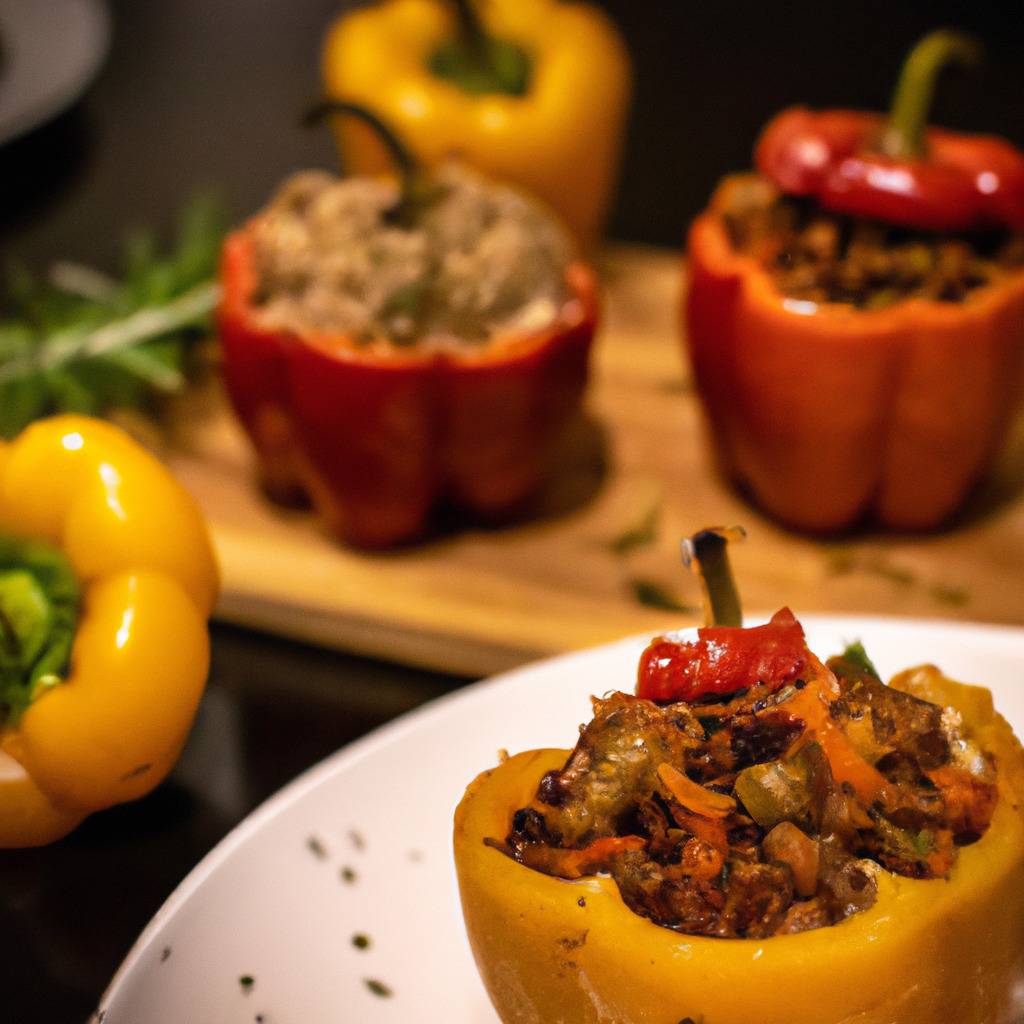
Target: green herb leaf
x=654, y=595
x=82, y=342
x=640, y=535
x=955, y=596
x=856, y=655
x=378, y=988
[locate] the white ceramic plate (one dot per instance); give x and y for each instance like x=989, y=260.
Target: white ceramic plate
x=263, y=928
x=49, y=52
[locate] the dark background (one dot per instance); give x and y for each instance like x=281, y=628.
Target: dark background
x=208, y=92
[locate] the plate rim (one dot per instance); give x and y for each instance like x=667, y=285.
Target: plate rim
x=316, y=774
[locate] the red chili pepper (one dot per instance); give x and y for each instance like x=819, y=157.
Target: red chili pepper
x=897, y=170
x=378, y=440
x=724, y=659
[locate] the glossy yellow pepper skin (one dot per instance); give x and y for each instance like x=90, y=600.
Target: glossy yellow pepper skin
x=927, y=951
x=140, y=550
x=561, y=140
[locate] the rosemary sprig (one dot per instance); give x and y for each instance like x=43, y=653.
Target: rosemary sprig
x=83, y=342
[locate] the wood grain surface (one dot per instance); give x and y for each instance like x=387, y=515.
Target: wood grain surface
x=636, y=476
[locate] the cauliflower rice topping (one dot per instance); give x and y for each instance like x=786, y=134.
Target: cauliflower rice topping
x=480, y=260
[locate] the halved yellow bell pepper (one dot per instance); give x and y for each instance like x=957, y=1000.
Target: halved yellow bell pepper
x=560, y=139
x=927, y=951
x=109, y=725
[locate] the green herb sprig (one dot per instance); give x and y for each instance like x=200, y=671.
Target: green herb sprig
x=80, y=341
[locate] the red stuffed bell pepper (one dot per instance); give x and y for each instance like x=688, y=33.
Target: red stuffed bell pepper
x=856, y=311
x=389, y=347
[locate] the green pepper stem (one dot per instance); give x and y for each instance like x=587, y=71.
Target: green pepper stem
x=410, y=171
x=471, y=30
x=706, y=553
x=904, y=136
x=476, y=61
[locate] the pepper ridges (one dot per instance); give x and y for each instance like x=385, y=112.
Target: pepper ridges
x=926, y=950
x=377, y=440
x=113, y=727
x=832, y=413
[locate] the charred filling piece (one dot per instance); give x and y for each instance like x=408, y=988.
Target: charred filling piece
x=766, y=812
x=817, y=256
x=477, y=261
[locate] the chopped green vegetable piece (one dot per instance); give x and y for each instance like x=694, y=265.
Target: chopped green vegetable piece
x=775, y=791
x=39, y=598
x=924, y=842
x=856, y=655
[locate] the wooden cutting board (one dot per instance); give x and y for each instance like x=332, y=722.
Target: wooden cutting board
x=477, y=601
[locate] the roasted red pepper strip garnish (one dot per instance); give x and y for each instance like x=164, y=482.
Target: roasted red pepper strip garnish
x=724, y=659
x=895, y=169
x=966, y=182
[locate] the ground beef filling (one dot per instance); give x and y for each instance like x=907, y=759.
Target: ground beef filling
x=723, y=820
x=817, y=256
x=479, y=260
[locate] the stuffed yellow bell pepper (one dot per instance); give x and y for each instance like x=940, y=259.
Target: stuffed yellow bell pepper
x=871, y=871
x=107, y=579
x=530, y=91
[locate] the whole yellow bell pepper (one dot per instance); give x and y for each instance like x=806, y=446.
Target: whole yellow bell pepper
x=107, y=579
x=538, y=97
x=926, y=951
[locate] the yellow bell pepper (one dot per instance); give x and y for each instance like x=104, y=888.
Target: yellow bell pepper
x=98, y=541
x=926, y=951
x=560, y=138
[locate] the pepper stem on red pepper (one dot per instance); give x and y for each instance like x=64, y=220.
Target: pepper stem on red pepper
x=414, y=186
x=706, y=553
x=476, y=61
x=904, y=136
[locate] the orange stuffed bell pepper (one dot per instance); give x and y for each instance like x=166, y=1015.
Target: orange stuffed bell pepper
x=529, y=91
x=855, y=317
x=813, y=846
x=107, y=579
x=394, y=346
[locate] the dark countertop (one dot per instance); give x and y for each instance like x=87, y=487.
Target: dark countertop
x=70, y=912
x=201, y=93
